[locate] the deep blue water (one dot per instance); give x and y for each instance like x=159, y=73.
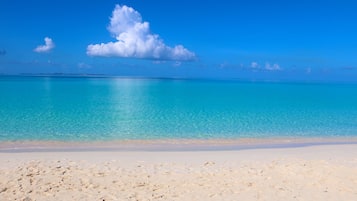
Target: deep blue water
x=45, y=108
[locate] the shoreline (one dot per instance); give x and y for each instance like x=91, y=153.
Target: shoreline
x=172, y=144
x=319, y=172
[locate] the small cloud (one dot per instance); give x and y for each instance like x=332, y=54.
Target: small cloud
x=158, y=62
x=83, y=65
x=274, y=67
x=223, y=65
x=135, y=40
x=254, y=65
x=2, y=52
x=49, y=45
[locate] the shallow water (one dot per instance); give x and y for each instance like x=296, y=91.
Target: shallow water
x=86, y=109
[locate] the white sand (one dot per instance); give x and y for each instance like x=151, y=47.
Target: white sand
x=326, y=172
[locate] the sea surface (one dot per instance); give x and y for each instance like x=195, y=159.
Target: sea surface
x=93, y=109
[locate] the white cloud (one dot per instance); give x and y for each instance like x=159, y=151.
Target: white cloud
x=134, y=40
x=158, y=62
x=49, y=45
x=223, y=65
x=274, y=67
x=254, y=65
x=83, y=65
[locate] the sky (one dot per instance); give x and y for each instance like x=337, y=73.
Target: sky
x=268, y=40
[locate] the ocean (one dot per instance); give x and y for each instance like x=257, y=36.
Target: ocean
x=96, y=109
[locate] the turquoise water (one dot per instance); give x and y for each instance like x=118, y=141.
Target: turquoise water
x=45, y=108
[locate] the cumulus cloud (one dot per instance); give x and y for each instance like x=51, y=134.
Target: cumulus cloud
x=49, y=45
x=135, y=40
x=273, y=67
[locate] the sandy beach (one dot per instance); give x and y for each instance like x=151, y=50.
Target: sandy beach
x=321, y=172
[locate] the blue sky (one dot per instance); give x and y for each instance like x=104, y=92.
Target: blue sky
x=293, y=40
